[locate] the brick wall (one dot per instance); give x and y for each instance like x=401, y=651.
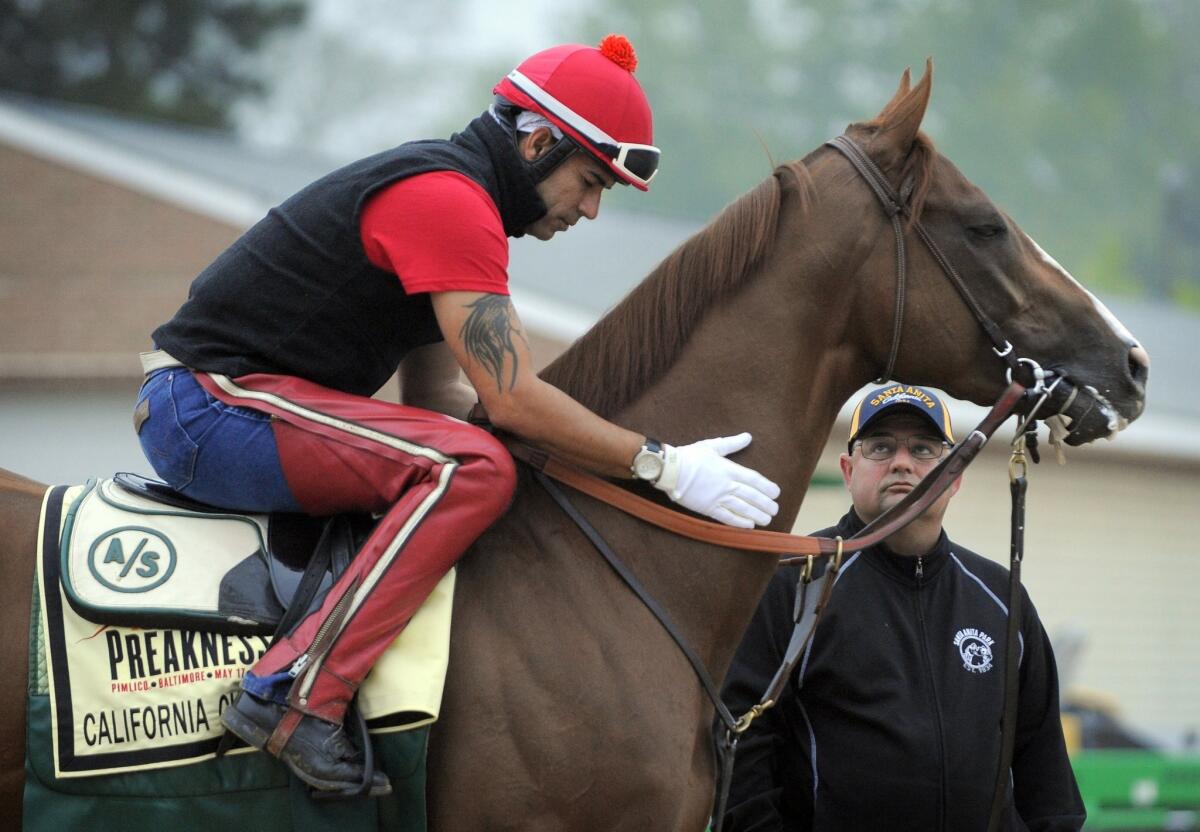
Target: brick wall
x=88, y=268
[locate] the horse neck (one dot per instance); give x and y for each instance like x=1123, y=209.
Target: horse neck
x=775, y=359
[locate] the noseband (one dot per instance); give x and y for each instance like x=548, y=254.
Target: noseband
x=896, y=205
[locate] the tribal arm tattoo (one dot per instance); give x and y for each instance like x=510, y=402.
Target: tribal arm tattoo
x=487, y=336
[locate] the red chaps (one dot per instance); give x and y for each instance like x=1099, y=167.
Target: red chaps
x=438, y=484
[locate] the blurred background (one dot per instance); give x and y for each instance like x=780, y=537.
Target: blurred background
x=138, y=138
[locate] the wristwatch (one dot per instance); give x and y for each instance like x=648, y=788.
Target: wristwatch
x=648, y=463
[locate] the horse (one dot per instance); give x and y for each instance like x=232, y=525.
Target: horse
x=567, y=705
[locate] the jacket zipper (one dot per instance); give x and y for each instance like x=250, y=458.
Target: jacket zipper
x=937, y=711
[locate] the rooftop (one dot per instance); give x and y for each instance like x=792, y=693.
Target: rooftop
x=560, y=289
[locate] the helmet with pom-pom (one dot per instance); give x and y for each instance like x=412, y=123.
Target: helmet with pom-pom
x=590, y=94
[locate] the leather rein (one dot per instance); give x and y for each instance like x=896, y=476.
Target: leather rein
x=804, y=549
x=796, y=549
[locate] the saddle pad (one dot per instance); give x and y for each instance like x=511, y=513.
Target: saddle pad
x=127, y=559
x=132, y=699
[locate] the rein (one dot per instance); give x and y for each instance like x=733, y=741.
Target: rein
x=894, y=205
x=801, y=548
x=759, y=540
x=805, y=549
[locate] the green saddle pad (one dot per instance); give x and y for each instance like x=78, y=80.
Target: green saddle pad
x=242, y=790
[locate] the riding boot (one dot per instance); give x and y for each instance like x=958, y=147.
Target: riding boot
x=316, y=751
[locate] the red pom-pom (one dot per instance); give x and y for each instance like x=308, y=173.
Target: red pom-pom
x=619, y=50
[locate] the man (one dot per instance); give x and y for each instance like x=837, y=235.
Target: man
x=892, y=720
x=258, y=396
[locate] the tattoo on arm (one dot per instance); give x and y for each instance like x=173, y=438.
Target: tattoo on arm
x=487, y=335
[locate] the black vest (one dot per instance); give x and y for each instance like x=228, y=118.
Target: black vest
x=296, y=294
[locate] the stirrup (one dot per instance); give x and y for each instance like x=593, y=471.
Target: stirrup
x=363, y=789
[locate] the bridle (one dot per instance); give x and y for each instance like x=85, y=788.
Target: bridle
x=1028, y=383
x=896, y=205
x=1035, y=379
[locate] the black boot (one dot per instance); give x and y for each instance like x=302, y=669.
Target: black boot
x=318, y=752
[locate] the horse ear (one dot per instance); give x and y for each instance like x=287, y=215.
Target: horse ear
x=897, y=124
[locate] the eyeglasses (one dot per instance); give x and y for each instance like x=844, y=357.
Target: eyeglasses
x=636, y=162
x=885, y=447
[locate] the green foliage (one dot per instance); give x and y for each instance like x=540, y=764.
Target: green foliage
x=1079, y=118
x=183, y=60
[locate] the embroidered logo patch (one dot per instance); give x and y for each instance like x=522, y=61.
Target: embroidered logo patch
x=975, y=647
x=132, y=559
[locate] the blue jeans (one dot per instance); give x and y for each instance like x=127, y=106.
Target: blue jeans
x=213, y=452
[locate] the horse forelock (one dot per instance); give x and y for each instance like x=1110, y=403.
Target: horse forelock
x=639, y=339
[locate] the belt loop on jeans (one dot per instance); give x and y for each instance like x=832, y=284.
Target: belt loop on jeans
x=157, y=360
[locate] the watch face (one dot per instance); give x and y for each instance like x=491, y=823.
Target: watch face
x=648, y=466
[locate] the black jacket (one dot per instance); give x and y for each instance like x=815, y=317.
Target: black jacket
x=896, y=722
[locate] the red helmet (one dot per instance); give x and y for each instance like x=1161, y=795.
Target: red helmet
x=591, y=95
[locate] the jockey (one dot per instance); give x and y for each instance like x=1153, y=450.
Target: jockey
x=258, y=396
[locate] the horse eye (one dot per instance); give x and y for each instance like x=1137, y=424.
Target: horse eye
x=987, y=232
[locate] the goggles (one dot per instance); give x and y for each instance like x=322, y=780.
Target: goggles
x=637, y=163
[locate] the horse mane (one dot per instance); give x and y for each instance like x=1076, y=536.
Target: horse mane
x=634, y=344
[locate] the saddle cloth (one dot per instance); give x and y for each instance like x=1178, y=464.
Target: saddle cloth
x=129, y=698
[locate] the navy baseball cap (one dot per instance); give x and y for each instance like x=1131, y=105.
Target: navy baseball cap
x=883, y=401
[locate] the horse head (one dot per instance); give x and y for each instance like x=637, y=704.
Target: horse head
x=1040, y=312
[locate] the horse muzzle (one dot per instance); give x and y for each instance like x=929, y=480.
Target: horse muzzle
x=1089, y=414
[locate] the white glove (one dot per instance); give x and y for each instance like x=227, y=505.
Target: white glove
x=699, y=477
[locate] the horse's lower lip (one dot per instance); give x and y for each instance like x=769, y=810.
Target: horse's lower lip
x=1093, y=417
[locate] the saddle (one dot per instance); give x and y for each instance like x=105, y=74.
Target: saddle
x=136, y=552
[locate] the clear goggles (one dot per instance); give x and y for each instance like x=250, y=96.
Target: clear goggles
x=636, y=162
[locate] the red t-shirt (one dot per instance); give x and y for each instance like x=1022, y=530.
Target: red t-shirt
x=438, y=232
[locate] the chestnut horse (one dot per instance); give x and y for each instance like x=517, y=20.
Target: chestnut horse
x=567, y=705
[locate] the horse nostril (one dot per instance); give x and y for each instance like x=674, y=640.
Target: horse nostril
x=1139, y=364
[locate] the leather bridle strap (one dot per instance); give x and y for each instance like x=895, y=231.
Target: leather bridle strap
x=935, y=483
x=895, y=205
x=1018, y=484
x=929, y=489
x=706, y=531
